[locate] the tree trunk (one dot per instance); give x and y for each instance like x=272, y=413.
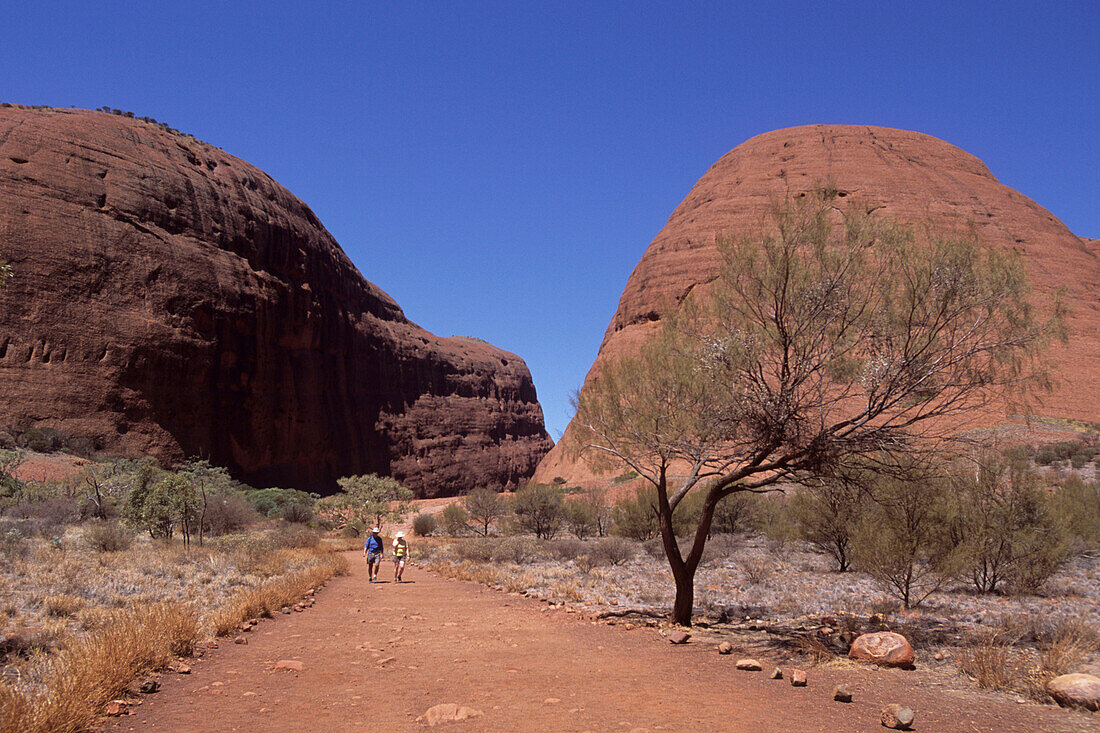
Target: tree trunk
x=685, y=597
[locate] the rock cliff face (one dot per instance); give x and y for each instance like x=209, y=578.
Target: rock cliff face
x=917, y=178
x=173, y=300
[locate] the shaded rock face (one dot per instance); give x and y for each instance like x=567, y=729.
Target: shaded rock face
x=173, y=300
x=916, y=178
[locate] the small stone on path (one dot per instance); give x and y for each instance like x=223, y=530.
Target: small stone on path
x=446, y=713
x=551, y=701
x=183, y=669
x=291, y=665
x=841, y=693
x=777, y=674
x=749, y=665
x=798, y=678
x=725, y=648
x=150, y=686
x=679, y=637
x=897, y=717
x=240, y=640
x=117, y=707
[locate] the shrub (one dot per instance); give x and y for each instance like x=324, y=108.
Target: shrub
x=273, y=502
x=1076, y=507
x=354, y=528
x=518, y=550
x=455, y=519
x=900, y=542
x=566, y=550
x=826, y=514
x=227, y=513
x=42, y=440
x=732, y=514
x=484, y=506
x=297, y=513
x=614, y=550
x=107, y=537
x=476, y=550
x=1002, y=526
x=13, y=543
x=580, y=517
x=539, y=508
x=424, y=524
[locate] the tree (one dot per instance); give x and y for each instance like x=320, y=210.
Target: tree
x=372, y=499
x=601, y=511
x=816, y=345
x=484, y=506
x=539, y=508
x=580, y=517
x=455, y=519
x=206, y=478
x=10, y=460
x=827, y=512
x=901, y=541
x=1003, y=524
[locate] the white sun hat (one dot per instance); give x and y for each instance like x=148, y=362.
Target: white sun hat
x=399, y=535
x=374, y=530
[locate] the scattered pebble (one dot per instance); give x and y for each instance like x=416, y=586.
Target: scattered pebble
x=897, y=717
x=841, y=693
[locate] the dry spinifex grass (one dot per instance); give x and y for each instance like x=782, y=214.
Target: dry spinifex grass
x=89, y=671
x=273, y=594
x=995, y=660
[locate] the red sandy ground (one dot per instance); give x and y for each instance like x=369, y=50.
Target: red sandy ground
x=377, y=656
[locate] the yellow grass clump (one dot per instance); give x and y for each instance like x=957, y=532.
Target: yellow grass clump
x=87, y=672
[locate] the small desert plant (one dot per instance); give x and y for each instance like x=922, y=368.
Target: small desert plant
x=424, y=524
x=62, y=605
x=108, y=536
x=478, y=550
x=580, y=517
x=988, y=661
x=566, y=550
x=297, y=513
x=614, y=550
x=231, y=512
x=518, y=550
x=484, y=506
x=757, y=570
x=455, y=520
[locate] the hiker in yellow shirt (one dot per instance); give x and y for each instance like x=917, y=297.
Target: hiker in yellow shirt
x=400, y=555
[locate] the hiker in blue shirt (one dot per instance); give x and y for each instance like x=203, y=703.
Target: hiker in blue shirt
x=373, y=551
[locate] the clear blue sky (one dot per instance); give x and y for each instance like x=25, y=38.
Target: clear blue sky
x=500, y=167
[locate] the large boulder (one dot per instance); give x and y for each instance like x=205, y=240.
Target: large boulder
x=1076, y=690
x=171, y=299
x=916, y=178
x=884, y=648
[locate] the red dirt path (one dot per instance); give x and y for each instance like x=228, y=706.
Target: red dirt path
x=377, y=656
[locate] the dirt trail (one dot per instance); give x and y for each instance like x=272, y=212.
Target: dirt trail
x=377, y=656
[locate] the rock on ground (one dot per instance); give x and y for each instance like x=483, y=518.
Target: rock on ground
x=1076, y=690
x=447, y=712
x=897, y=717
x=884, y=648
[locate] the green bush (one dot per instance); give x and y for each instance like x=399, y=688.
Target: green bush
x=297, y=513
x=424, y=524
x=540, y=509
x=614, y=550
x=1075, y=505
x=1002, y=525
x=517, y=550
x=455, y=520
x=479, y=549
x=42, y=440
x=826, y=514
x=580, y=517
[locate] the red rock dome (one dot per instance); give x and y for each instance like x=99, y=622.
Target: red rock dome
x=173, y=300
x=916, y=178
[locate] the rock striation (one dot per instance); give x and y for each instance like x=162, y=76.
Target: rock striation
x=915, y=178
x=173, y=300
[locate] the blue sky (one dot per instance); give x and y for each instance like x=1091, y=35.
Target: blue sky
x=500, y=167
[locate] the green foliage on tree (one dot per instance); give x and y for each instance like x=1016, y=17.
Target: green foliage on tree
x=539, y=508
x=484, y=506
x=1003, y=523
x=902, y=541
x=163, y=506
x=819, y=344
x=455, y=519
x=580, y=518
x=371, y=499
x=10, y=485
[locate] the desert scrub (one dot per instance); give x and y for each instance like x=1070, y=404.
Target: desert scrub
x=107, y=617
x=87, y=671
